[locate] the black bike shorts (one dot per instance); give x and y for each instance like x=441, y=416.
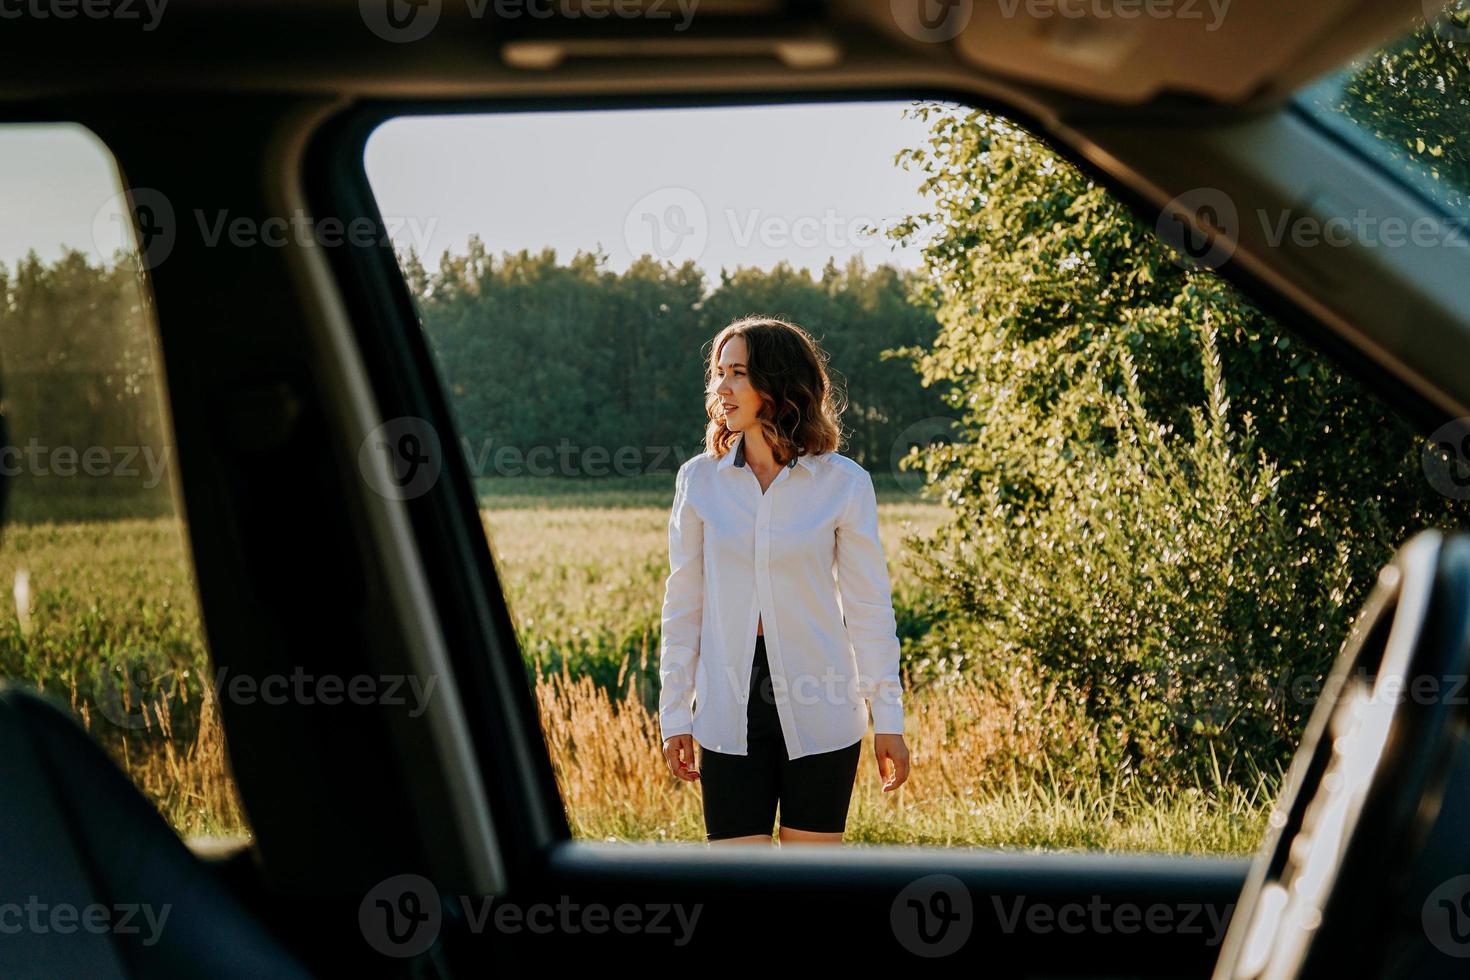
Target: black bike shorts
x=741, y=792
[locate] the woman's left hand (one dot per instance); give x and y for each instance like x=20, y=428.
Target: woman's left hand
x=893, y=760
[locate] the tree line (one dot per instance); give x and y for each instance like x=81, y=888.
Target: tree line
x=534, y=351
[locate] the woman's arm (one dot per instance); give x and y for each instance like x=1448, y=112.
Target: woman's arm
x=682, y=612
x=867, y=606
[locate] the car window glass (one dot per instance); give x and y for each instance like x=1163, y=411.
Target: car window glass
x=100, y=609
x=1406, y=104
x=1128, y=517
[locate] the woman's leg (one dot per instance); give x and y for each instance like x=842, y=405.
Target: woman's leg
x=752, y=839
x=740, y=791
x=790, y=835
x=815, y=793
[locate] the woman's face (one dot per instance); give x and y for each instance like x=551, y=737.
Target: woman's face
x=739, y=400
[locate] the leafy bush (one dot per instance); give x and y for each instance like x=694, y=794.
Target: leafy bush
x=1160, y=498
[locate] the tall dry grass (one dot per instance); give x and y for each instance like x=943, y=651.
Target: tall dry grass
x=87, y=605
x=187, y=779
x=585, y=588
x=981, y=775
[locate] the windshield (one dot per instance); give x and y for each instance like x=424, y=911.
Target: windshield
x=1406, y=105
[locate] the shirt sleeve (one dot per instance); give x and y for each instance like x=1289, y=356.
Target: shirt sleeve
x=867, y=606
x=682, y=613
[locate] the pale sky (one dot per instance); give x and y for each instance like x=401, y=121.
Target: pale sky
x=726, y=187
x=57, y=187
x=723, y=186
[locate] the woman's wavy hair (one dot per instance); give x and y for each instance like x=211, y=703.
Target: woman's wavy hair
x=799, y=411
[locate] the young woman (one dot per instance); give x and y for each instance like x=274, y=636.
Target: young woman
x=778, y=626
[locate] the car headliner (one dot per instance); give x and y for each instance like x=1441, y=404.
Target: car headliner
x=1233, y=52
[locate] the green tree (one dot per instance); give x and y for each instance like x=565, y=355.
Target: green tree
x=1412, y=96
x=79, y=372
x=536, y=352
x=1159, y=497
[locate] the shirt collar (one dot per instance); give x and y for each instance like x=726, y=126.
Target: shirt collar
x=736, y=457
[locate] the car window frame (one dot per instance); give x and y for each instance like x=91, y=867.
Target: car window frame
x=485, y=654
x=212, y=847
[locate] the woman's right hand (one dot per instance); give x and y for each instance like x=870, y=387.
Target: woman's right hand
x=679, y=754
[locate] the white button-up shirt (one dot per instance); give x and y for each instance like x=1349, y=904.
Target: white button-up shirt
x=805, y=559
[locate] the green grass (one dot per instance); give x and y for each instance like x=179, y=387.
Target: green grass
x=584, y=570
x=111, y=601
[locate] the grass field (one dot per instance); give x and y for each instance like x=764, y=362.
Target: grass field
x=109, y=600
x=584, y=569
